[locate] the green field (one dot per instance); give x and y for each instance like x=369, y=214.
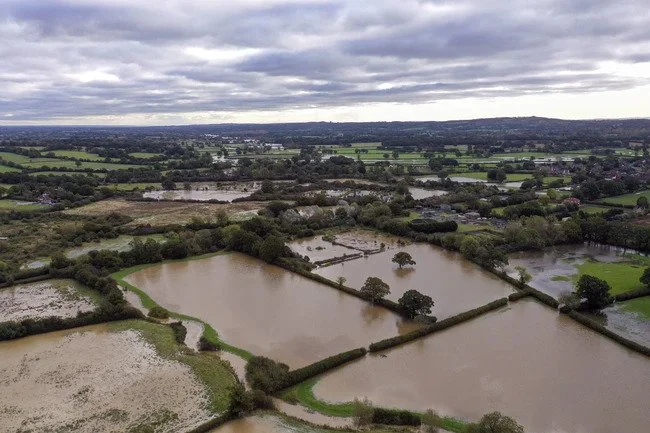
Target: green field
x=144, y=155
x=68, y=173
x=7, y=169
x=14, y=157
x=621, y=276
x=627, y=199
x=78, y=154
x=133, y=186
x=512, y=177
x=59, y=163
x=638, y=305
x=594, y=209
x=8, y=204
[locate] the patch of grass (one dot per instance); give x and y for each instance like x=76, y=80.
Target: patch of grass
x=217, y=378
x=21, y=206
x=144, y=155
x=78, y=154
x=133, y=186
x=560, y=278
x=626, y=199
x=67, y=173
x=7, y=169
x=621, y=276
x=594, y=209
x=638, y=305
x=60, y=163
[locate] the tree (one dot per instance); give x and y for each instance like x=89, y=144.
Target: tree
x=642, y=202
x=168, y=185
x=375, y=289
x=594, y=290
x=496, y=422
x=268, y=187
x=645, y=278
x=524, y=276
x=241, y=401
x=415, y=303
x=271, y=248
x=341, y=281
x=403, y=258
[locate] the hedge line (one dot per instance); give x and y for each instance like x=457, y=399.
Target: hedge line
x=386, y=303
x=319, y=367
x=23, y=328
x=519, y=294
x=439, y=326
x=28, y=280
x=339, y=259
x=540, y=296
x=581, y=318
x=395, y=417
x=632, y=294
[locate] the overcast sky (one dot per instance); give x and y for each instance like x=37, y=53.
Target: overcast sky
x=181, y=61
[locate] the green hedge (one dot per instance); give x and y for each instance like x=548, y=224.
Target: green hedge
x=309, y=371
x=17, y=329
x=632, y=294
x=395, y=417
x=439, y=326
x=581, y=318
x=518, y=295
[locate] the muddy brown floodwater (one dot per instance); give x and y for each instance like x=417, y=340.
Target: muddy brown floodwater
x=317, y=249
x=455, y=284
x=525, y=360
x=259, y=424
x=207, y=191
x=266, y=309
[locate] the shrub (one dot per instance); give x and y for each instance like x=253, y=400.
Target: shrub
x=158, y=312
x=266, y=374
x=395, y=417
x=206, y=345
x=180, y=331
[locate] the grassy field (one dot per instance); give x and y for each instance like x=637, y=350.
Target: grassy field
x=59, y=163
x=133, y=186
x=144, y=155
x=14, y=157
x=78, y=154
x=638, y=305
x=7, y=204
x=217, y=378
x=626, y=199
x=512, y=177
x=68, y=173
x=594, y=209
x=621, y=276
x=7, y=169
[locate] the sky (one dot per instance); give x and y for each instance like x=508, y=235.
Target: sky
x=161, y=62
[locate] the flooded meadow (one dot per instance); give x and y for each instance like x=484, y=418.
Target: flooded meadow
x=207, y=191
x=544, y=369
x=96, y=379
x=241, y=297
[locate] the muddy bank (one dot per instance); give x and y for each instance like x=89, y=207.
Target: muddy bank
x=550, y=373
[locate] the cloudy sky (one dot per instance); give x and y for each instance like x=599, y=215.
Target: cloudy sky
x=181, y=61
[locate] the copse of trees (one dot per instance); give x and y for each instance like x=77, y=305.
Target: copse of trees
x=414, y=303
x=594, y=291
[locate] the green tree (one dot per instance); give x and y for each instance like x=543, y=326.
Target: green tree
x=403, y=258
x=375, y=289
x=594, y=290
x=495, y=422
x=271, y=248
x=642, y=202
x=241, y=401
x=645, y=278
x=341, y=280
x=268, y=187
x=415, y=303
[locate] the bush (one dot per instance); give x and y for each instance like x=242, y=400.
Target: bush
x=158, y=312
x=206, y=345
x=304, y=373
x=433, y=226
x=180, y=331
x=266, y=374
x=395, y=417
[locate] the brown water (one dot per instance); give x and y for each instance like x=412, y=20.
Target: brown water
x=455, y=284
x=420, y=193
x=268, y=310
x=317, y=249
x=226, y=191
x=261, y=424
x=547, y=371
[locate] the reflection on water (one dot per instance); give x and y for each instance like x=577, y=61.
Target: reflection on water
x=544, y=369
x=455, y=284
x=267, y=310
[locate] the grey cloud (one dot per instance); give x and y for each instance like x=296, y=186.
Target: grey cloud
x=60, y=57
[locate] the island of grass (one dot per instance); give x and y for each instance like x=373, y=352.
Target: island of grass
x=622, y=276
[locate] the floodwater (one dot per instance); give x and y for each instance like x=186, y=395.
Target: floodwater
x=261, y=424
x=317, y=249
x=91, y=380
x=455, y=284
x=267, y=310
x=421, y=193
x=208, y=191
x=545, y=370
x=552, y=268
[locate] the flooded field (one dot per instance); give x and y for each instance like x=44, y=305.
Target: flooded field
x=60, y=298
x=207, y=191
x=421, y=193
x=241, y=296
x=455, y=284
x=545, y=370
x=165, y=212
x=94, y=379
x=120, y=243
x=317, y=249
